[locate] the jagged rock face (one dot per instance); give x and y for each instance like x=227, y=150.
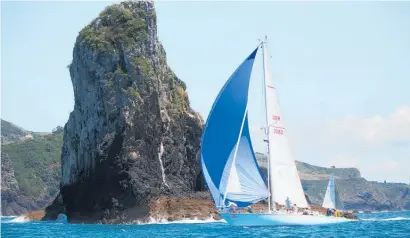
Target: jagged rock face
x=398, y=193
x=9, y=185
x=132, y=134
x=8, y=181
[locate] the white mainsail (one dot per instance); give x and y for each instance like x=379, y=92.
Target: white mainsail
x=283, y=175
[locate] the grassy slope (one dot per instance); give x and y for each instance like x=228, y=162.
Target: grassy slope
x=8, y=128
x=36, y=163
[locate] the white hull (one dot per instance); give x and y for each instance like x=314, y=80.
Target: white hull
x=265, y=219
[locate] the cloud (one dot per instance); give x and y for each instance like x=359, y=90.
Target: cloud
x=344, y=161
x=385, y=166
x=379, y=146
x=374, y=131
x=391, y=170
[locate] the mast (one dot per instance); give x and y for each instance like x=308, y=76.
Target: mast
x=283, y=174
x=271, y=200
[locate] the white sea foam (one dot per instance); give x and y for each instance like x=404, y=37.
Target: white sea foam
x=19, y=219
x=386, y=219
x=390, y=211
x=194, y=220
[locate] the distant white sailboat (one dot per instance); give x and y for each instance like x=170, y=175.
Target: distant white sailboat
x=228, y=161
x=332, y=199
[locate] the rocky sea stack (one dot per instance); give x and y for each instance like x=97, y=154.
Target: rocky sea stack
x=132, y=136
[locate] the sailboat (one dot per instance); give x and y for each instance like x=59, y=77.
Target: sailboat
x=332, y=199
x=228, y=160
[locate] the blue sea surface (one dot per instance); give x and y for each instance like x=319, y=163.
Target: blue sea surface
x=384, y=224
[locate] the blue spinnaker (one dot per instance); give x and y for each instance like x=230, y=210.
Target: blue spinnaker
x=227, y=158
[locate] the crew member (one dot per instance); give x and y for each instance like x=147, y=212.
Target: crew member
x=250, y=210
x=287, y=202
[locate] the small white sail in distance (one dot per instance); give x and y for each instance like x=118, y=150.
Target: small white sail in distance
x=332, y=199
x=329, y=201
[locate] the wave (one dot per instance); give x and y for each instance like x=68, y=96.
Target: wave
x=387, y=211
x=384, y=211
x=387, y=219
x=1, y=217
x=19, y=219
x=194, y=220
x=151, y=221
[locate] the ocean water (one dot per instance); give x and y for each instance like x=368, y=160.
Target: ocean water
x=384, y=224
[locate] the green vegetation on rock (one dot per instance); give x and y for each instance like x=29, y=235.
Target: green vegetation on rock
x=95, y=38
x=179, y=98
x=120, y=72
x=117, y=26
x=118, y=75
x=36, y=163
x=174, y=80
x=142, y=63
x=132, y=92
x=115, y=15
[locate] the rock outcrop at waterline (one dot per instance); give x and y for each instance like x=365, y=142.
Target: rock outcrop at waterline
x=9, y=186
x=132, y=135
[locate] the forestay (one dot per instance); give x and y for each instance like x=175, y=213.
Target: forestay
x=227, y=157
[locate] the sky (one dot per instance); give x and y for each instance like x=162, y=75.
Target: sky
x=342, y=70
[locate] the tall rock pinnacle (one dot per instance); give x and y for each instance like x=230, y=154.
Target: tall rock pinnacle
x=132, y=134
